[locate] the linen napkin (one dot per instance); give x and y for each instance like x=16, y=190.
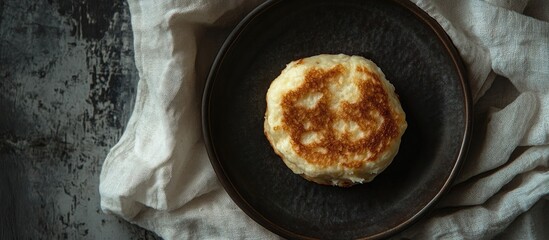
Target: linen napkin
x=159, y=177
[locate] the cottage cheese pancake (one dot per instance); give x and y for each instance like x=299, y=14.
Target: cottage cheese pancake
x=334, y=119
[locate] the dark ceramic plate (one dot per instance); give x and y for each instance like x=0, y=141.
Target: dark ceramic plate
x=416, y=56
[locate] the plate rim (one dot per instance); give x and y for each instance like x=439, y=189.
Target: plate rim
x=247, y=208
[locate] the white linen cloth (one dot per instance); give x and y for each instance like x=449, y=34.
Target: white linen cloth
x=159, y=177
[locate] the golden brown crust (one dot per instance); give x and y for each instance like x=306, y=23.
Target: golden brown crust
x=372, y=113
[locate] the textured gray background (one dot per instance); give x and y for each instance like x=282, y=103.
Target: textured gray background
x=67, y=87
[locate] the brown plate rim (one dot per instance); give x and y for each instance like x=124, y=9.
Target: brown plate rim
x=265, y=222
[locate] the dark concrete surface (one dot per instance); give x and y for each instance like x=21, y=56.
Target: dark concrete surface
x=67, y=88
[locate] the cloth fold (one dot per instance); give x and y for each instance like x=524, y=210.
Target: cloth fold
x=159, y=176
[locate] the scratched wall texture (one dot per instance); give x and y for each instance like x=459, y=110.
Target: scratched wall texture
x=67, y=87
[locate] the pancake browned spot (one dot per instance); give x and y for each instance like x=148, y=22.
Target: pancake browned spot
x=372, y=100
x=334, y=119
